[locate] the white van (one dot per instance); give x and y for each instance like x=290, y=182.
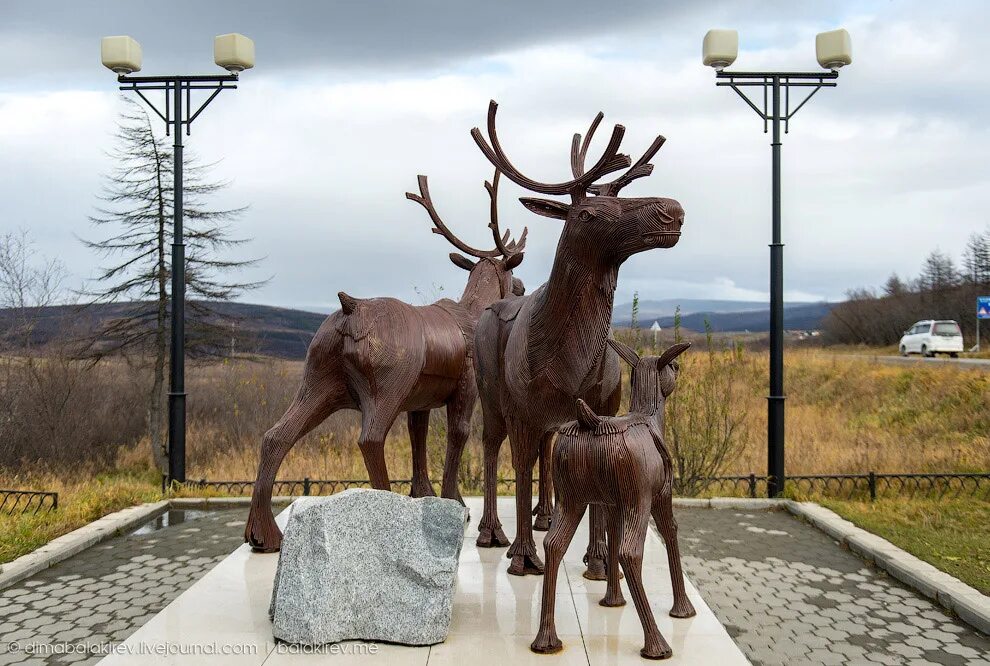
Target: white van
x=931, y=337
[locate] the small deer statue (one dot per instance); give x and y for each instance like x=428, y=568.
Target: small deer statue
x=621, y=464
x=382, y=357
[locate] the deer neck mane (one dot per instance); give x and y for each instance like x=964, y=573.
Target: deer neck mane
x=645, y=396
x=572, y=314
x=477, y=296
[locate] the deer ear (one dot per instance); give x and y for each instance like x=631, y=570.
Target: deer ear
x=513, y=261
x=461, y=261
x=670, y=353
x=518, y=288
x=626, y=353
x=546, y=207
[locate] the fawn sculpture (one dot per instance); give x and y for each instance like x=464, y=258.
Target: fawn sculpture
x=537, y=354
x=622, y=465
x=382, y=356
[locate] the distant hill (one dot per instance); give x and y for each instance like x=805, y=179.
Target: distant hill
x=754, y=317
x=665, y=307
x=263, y=329
x=286, y=333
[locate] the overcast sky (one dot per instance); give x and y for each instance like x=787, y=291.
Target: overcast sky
x=350, y=100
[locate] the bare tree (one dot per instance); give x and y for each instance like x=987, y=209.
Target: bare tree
x=27, y=283
x=976, y=259
x=938, y=272
x=704, y=425
x=137, y=203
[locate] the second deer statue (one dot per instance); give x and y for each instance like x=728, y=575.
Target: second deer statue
x=622, y=465
x=382, y=356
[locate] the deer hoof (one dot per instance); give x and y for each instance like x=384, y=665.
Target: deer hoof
x=682, y=608
x=546, y=644
x=658, y=650
x=613, y=601
x=491, y=537
x=523, y=565
x=263, y=534
x=423, y=489
x=596, y=569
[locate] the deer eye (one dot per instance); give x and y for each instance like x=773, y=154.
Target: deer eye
x=585, y=215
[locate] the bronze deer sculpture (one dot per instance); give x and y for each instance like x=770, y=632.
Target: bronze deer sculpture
x=537, y=354
x=622, y=465
x=383, y=356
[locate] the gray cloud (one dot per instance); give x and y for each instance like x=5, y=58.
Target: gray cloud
x=876, y=172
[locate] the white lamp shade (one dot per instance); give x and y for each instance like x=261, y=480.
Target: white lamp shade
x=720, y=48
x=122, y=54
x=834, y=48
x=233, y=52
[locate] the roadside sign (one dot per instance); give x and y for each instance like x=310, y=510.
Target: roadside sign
x=983, y=307
x=656, y=325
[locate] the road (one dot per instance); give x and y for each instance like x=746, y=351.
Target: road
x=973, y=363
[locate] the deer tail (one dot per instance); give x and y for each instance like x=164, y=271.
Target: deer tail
x=347, y=302
x=586, y=416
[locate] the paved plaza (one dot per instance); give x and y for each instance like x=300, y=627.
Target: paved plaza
x=786, y=593
x=104, y=593
x=789, y=595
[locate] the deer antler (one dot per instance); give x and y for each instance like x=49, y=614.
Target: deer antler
x=424, y=200
x=641, y=169
x=502, y=242
x=611, y=160
x=579, y=149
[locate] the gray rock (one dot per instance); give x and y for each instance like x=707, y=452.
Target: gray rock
x=369, y=565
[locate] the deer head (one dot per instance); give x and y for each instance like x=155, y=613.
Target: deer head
x=653, y=377
x=597, y=218
x=490, y=276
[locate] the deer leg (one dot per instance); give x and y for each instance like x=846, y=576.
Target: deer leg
x=663, y=514
x=525, y=444
x=419, y=428
x=544, y=506
x=636, y=520
x=595, y=556
x=459, y=410
x=490, y=534
x=613, y=593
x=565, y=523
x=315, y=400
x=374, y=428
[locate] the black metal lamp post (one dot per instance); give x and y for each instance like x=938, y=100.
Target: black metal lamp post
x=834, y=50
x=122, y=54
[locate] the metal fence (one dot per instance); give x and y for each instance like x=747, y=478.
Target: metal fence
x=27, y=501
x=859, y=486
x=840, y=486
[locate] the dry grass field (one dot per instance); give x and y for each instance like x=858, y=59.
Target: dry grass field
x=844, y=416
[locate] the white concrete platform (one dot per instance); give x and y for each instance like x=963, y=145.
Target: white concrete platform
x=223, y=618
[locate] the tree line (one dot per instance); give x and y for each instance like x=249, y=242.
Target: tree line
x=944, y=289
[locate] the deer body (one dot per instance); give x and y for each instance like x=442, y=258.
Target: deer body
x=382, y=356
x=621, y=466
x=536, y=355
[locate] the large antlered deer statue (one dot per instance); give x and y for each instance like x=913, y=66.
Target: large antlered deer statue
x=382, y=356
x=536, y=355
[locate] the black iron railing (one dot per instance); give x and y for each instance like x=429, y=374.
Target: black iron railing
x=27, y=501
x=840, y=486
x=858, y=486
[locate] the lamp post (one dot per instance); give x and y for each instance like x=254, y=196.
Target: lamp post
x=719, y=50
x=122, y=55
